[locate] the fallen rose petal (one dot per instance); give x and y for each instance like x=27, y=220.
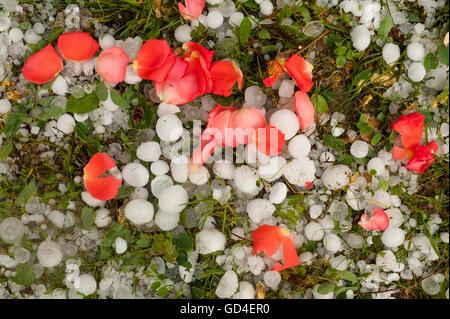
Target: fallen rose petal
x=112, y=65
x=101, y=188
x=192, y=47
x=154, y=60
x=410, y=127
x=301, y=71
x=269, y=140
x=378, y=221
x=423, y=158
x=192, y=10
x=290, y=257
x=304, y=109
x=77, y=46
x=268, y=239
x=42, y=66
x=181, y=91
x=224, y=75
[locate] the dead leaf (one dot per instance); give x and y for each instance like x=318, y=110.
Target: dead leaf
x=260, y=290
x=137, y=115
x=371, y=120
x=157, y=8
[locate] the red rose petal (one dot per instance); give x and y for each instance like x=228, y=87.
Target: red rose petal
x=154, y=60
x=423, y=158
x=268, y=239
x=181, y=91
x=378, y=221
x=304, y=109
x=42, y=66
x=77, y=46
x=98, y=163
x=301, y=71
x=224, y=74
x=103, y=189
x=192, y=47
x=112, y=64
x=269, y=140
x=192, y=10
x=410, y=127
x=290, y=257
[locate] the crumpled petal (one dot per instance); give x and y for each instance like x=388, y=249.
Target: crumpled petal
x=112, y=64
x=181, y=91
x=410, y=127
x=42, y=66
x=224, y=74
x=301, y=71
x=193, y=48
x=268, y=239
x=154, y=60
x=423, y=158
x=290, y=257
x=192, y=10
x=304, y=109
x=101, y=188
x=77, y=46
x=269, y=140
x=378, y=221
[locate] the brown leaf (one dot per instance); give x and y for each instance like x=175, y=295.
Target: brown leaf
x=397, y=36
x=371, y=120
x=365, y=137
x=157, y=8
x=137, y=115
x=260, y=290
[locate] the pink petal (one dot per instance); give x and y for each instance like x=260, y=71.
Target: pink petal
x=192, y=10
x=378, y=221
x=304, y=109
x=112, y=64
x=42, y=66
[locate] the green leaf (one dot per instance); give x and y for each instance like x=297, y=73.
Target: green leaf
x=6, y=150
x=264, y=34
x=101, y=91
x=87, y=103
x=430, y=62
x=269, y=48
x=320, y=103
x=443, y=54
x=124, y=191
x=117, y=98
x=334, y=142
x=364, y=126
x=325, y=288
x=384, y=185
x=87, y=217
x=305, y=13
x=12, y=125
x=55, y=33
x=340, y=51
x=26, y=192
x=376, y=139
x=163, y=291
x=244, y=30
x=184, y=242
x=24, y=26
x=332, y=39
x=345, y=159
x=225, y=101
x=155, y=285
x=143, y=241
x=340, y=290
x=413, y=17
x=347, y=275
x=197, y=292
x=51, y=113
x=362, y=76
x=385, y=27
x=164, y=245
x=340, y=61
x=24, y=275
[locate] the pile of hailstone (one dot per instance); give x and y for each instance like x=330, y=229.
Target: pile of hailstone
x=162, y=184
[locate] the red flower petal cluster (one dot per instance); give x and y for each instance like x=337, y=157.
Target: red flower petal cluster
x=101, y=188
x=410, y=128
x=230, y=127
x=179, y=80
x=269, y=239
x=301, y=71
x=192, y=10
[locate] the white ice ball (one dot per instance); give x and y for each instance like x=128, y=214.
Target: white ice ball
x=130, y=76
x=259, y=209
x=336, y=177
x=214, y=19
x=245, y=179
x=416, y=71
x=286, y=121
x=393, y=237
x=332, y=243
x=169, y=128
x=377, y=165
x=199, y=177
x=224, y=169
x=102, y=218
x=391, y=53
x=266, y=7
x=299, y=146
x=359, y=149
x=183, y=33
x=159, y=167
x=120, y=245
x=87, y=285
x=360, y=37
x=135, y=174
x=49, y=253
x=236, y=18
x=139, y=211
x=415, y=51
x=209, y=240
x=173, y=199
x=66, y=123
x=166, y=221
x=228, y=285
x=278, y=193
x=160, y=183
x=5, y=106
x=59, y=86
x=314, y=231
x=148, y=151
x=106, y=41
